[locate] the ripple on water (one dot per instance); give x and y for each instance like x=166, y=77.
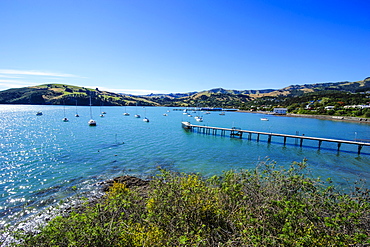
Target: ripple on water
x=44, y=161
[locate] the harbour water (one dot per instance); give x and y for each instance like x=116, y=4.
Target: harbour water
x=44, y=161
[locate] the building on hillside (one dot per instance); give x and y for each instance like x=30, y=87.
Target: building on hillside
x=329, y=107
x=281, y=111
x=357, y=106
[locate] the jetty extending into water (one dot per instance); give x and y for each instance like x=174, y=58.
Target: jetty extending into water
x=238, y=133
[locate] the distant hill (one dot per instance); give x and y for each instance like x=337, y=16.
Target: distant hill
x=171, y=95
x=351, y=87
x=220, y=97
x=56, y=94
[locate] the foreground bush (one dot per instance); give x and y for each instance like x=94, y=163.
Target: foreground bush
x=266, y=206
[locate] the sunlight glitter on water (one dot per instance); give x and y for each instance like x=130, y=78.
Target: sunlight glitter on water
x=43, y=158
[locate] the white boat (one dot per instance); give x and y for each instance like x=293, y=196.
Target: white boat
x=65, y=119
x=39, y=113
x=264, y=119
x=137, y=115
x=76, y=115
x=165, y=114
x=199, y=119
x=126, y=113
x=145, y=119
x=91, y=122
x=102, y=112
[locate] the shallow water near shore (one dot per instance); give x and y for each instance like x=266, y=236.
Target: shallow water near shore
x=45, y=161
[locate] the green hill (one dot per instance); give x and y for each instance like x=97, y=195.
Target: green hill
x=57, y=94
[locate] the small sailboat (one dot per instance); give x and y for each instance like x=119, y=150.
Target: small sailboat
x=102, y=112
x=65, y=119
x=222, y=112
x=145, y=119
x=126, y=113
x=199, y=119
x=76, y=115
x=91, y=122
x=137, y=115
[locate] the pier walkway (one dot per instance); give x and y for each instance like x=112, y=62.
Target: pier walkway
x=238, y=133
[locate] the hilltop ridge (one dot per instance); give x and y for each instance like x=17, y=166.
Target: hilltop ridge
x=56, y=94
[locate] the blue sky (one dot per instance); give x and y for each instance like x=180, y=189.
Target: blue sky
x=170, y=46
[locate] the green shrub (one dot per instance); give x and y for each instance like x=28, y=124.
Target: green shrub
x=266, y=206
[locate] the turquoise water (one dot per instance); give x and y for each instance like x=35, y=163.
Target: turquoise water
x=44, y=160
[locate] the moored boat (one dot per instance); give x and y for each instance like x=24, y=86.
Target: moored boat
x=92, y=122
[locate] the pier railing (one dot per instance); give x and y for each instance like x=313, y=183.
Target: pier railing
x=238, y=133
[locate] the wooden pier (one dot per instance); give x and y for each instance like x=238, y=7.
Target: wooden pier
x=238, y=133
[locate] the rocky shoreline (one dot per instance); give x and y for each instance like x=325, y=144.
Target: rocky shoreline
x=31, y=224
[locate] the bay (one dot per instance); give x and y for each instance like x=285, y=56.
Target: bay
x=44, y=160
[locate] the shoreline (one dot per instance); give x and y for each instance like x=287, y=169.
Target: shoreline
x=322, y=117
x=78, y=203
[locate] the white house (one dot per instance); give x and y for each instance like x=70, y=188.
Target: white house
x=329, y=107
x=280, y=110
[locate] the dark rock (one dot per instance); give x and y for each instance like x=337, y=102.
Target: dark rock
x=129, y=181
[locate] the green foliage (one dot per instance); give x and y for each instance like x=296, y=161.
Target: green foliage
x=266, y=206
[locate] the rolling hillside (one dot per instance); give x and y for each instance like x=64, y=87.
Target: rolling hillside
x=56, y=94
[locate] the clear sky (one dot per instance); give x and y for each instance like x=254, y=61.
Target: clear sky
x=177, y=46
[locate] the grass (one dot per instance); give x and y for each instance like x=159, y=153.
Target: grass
x=266, y=206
